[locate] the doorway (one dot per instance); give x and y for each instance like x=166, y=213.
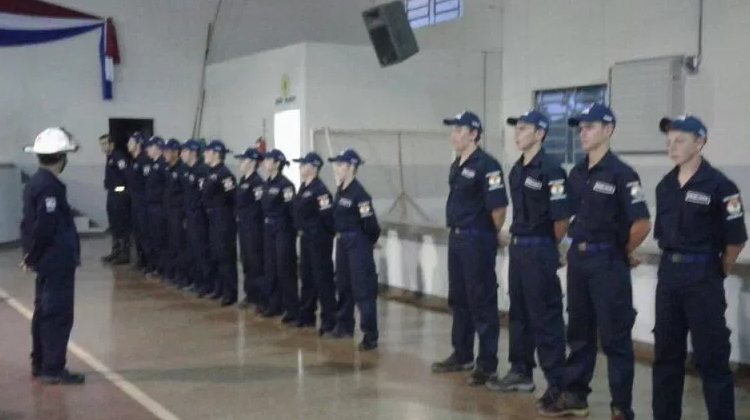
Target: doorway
x=287, y=137
x=120, y=129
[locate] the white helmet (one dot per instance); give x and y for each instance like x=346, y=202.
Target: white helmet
x=52, y=141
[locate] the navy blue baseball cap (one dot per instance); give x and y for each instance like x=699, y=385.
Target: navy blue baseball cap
x=312, y=158
x=347, y=156
x=465, y=119
x=536, y=118
x=250, y=153
x=594, y=113
x=173, y=144
x=193, y=145
x=137, y=137
x=276, y=155
x=217, y=146
x=155, y=141
x=686, y=123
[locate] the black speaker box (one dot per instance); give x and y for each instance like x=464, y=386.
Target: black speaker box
x=390, y=32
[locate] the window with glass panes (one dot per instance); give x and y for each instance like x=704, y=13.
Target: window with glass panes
x=431, y=12
x=559, y=105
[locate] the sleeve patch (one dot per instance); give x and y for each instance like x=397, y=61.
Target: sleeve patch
x=557, y=189
x=494, y=180
x=734, y=206
x=636, y=192
x=228, y=184
x=121, y=164
x=288, y=193
x=324, y=202
x=365, y=209
x=50, y=203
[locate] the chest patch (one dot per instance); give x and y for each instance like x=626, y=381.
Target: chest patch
x=146, y=170
x=288, y=193
x=273, y=190
x=258, y=193
x=532, y=183
x=245, y=186
x=468, y=173
x=345, y=202
x=213, y=177
x=121, y=164
x=306, y=194
x=604, y=187
x=697, y=198
x=174, y=175
x=155, y=167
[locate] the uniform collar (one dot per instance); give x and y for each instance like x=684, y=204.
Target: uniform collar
x=352, y=184
x=703, y=173
x=535, y=162
x=604, y=163
x=472, y=157
x=51, y=176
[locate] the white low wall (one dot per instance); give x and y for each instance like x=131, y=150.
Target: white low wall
x=422, y=266
x=11, y=203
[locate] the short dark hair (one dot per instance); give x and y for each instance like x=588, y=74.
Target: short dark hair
x=106, y=136
x=48, y=160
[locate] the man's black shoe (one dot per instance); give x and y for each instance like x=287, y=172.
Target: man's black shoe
x=63, y=378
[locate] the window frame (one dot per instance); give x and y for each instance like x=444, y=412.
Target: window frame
x=432, y=16
x=572, y=153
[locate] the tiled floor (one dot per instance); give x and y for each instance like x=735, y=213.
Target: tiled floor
x=195, y=360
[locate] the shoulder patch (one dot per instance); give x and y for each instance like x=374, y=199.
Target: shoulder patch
x=494, y=180
x=122, y=164
x=324, y=202
x=288, y=193
x=733, y=206
x=557, y=189
x=228, y=184
x=50, y=203
x=636, y=192
x=365, y=209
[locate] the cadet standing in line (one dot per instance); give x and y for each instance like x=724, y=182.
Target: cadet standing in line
x=540, y=221
x=475, y=213
x=155, y=182
x=137, y=185
x=52, y=250
x=218, y=200
x=313, y=218
x=279, y=242
x=250, y=227
x=357, y=233
x=174, y=206
x=700, y=227
x=611, y=220
x=118, y=201
x=196, y=225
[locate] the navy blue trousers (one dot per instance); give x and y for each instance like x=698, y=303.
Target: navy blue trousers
x=251, y=255
x=280, y=290
x=536, y=311
x=600, y=300
x=690, y=298
x=316, y=274
x=472, y=296
x=119, y=214
x=175, y=256
x=157, y=244
x=52, y=320
x=357, y=283
x=199, y=266
x=222, y=246
x=139, y=220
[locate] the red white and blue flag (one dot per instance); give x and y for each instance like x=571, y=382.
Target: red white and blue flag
x=28, y=22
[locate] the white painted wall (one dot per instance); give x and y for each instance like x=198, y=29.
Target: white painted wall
x=162, y=46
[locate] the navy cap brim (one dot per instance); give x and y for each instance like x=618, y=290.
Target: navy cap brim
x=513, y=121
x=450, y=121
x=300, y=160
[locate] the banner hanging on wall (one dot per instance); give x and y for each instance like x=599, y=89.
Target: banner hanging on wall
x=31, y=22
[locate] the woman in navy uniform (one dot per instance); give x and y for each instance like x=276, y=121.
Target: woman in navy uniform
x=196, y=225
x=52, y=250
x=700, y=227
x=156, y=179
x=357, y=232
x=137, y=185
x=279, y=242
x=611, y=221
x=174, y=206
x=313, y=218
x=218, y=200
x=118, y=201
x=540, y=221
x=250, y=226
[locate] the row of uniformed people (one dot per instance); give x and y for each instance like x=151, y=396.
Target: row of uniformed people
x=601, y=207
x=179, y=198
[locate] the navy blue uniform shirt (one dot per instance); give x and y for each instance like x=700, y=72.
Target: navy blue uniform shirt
x=218, y=188
x=277, y=198
x=353, y=211
x=539, y=193
x=249, y=195
x=192, y=178
x=313, y=206
x=116, y=171
x=605, y=200
x=156, y=178
x=48, y=233
x=173, y=191
x=703, y=216
x=477, y=188
x=138, y=173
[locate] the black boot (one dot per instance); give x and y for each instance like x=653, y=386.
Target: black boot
x=122, y=257
x=115, y=249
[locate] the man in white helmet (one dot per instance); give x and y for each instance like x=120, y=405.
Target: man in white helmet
x=51, y=249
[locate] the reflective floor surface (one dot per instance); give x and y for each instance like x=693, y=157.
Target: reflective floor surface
x=173, y=356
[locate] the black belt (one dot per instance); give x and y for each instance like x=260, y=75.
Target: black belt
x=531, y=240
x=683, y=258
